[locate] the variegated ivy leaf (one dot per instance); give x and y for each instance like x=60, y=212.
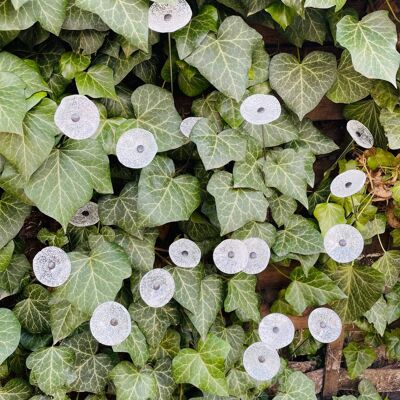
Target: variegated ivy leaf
x=12, y=278
x=217, y=149
x=122, y=210
x=262, y=230
x=129, y=19
x=242, y=297
x=10, y=333
x=16, y=389
x=96, y=277
x=204, y=367
x=235, y=207
x=259, y=70
x=12, y=19
x=52, y=369
x=209, y=302
x=282, y=208
x=162, y=373
x=27, y=152
x=12, y=217
x=208, y=108
x=390, y=121
x=108, y=133
x=225, y=59
x=33, y=312
x=188, y=38
x=389, y=266
x=338, y=4
x=169, y=346
x=328, y=215
x=393, y=304
x=302, y=84
x=296, y=385
x=350, y=86
x=358, y=358
x=91, y=369
x=65, y=181
x=6, y=254
x=163, y=197
x=372, y=44
x=86, y=42
x=299, y=236
x=239, y=382
x=78, y=19
x=315, y=289
x=71, y=63
x=378, y=316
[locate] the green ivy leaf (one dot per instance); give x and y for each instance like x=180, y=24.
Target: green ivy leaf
x=12, y=278
x=169, y=346
x=204, y=367
x=393, y=304
x=65, y=181
x=338, y=4
x=385, y=95
x=302, y=84
x=389, y=266
x=190, y=81
x=208, y=108
x=239, y=382
x=312, y=289
x=296, y=386
x=377, y=315
x=390, y=121
x=6, y=254
x=78, y=19
x=328, y=215
x=163, y=197
x=262, y=230
x=10, y=330
x=15, y=20
x=350, y=86
x=282, y=208
x=127, y=19
x=225, y=59
x=235, y=207
x=259, y=70
x=71, y=63
x=242, y=297
x=358, y=358
x=282, y=14
x=16, y=389
x=372, y=44
x=162, y=373
x=367, y=391
x=217, y=149
x=52, y=368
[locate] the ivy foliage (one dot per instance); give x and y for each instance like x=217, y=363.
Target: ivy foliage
x=228, y=179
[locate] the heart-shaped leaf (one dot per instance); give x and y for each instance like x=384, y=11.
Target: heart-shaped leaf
x=10, y=330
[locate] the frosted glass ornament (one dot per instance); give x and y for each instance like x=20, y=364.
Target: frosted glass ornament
x=230, y=256
x=187, y=125
x=261, y=361
x=276, y=330
x=87, y=215
x=77, y=117
x=343, y=243
x=166, y=18
x=348, y=183
x=52, y=266
x=185, y=253
x=324, y=325
x=136, y=148
x=110, y=323
x=260, y=109
x=360, y=134
x=157, y=287
x=259, y=254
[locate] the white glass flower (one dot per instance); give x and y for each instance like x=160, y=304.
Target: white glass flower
x=77, y=117
x=325, y=325
x=187, y=125
x=52, y=266
x=157, y=287
x=348, y=183
x=230, y=256
x=258, y=255
x=185, y=253
x=360, y=134
x=165, y=18
x=260, y=109
x=87, y=215
x=276, y=330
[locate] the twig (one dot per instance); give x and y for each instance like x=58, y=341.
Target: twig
x=391, y=10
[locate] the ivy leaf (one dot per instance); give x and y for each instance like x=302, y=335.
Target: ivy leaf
x=224, y=60
x=259, y=70
x=190, y=81
x=299, y=236
x=209, y=302
x=16, y=389
x=33, y=312
x=362, y=285
x=65, y=181
x=128, y=19
x=97, y=277
x=393, y=304
x=296, y=386
x=12, y=278
x=242, y=297
x=372, y=44
x=162, y=373
x=239, y=382
x=208, y=108
x=350, y=86
x=97, y=82
x=10, y=330
x=282, y=208
x=235, y=207
x=204, y=367
x=262, y=230
x=328, y=215
x=377, y=315
x=12, y=103
x=78, y=19
x=189, y=38
x=12, y=19
x=367, y=391
x=155, y=111
x=282, y=14
x=385, y=95
x=164, y=198
x=358, y=358
x=217, y=149
x=71, y=63
x=312, y=289
x=6, y=254
x=302, y=84
x=52, y=368
x=338, y=4
x=27, y=152
x=12, y=217
x=389, y=266
x=390, y=122
x=169, y=346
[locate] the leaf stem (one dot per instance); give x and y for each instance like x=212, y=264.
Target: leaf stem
x=170, y=64
x=392, y=11
x=353, y=208
x=344, y=152
x=298, y=54
x=380, y=242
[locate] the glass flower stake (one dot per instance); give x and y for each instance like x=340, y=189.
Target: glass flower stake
x=360, y=134
x=187, y=125
x=260, y=109
x=261, y=361
x=343, y=243
x=230, y=256
x=157, y=287
x=276, y=330
x=110, y=323
x=136, y=148
x=87, y=215
x=348, y=183
x=77, y=117
x=259, y=254
x=185, y=253
x=324, y=325
x=52, y=266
